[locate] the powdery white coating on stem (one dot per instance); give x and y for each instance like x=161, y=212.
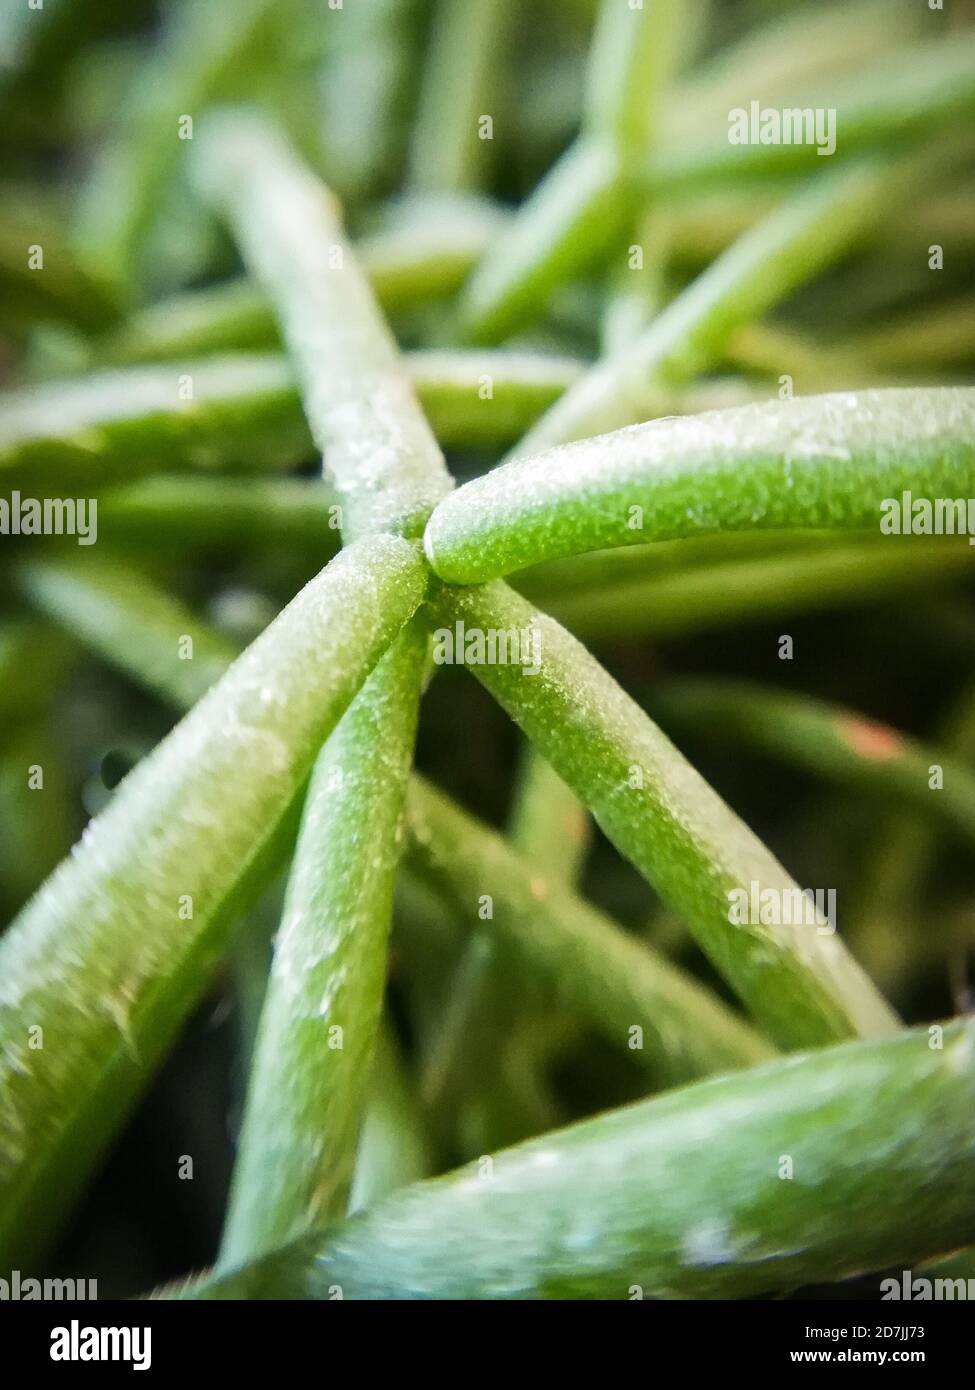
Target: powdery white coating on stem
x=218, y=413
x=819, y=461
x=528, y=371
x=305, y=1094
x=424, y=253
x=360, y=404
x=681, y=1195
x=606, y=975
x=800, y=983
x=793, y=243
x=102, y=958
x=243, y=411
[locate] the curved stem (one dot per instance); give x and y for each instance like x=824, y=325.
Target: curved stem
x=843, y=460
x=827, y=739
x=361, y=408
x=310, y=1074
x=795, y=977
x=795, y=242
x=804, y=1170
x=673, y=1025
x=174, y=853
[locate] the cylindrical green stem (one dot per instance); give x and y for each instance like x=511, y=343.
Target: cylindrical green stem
x=305, y=1102
x=635, y=998
x=460, y=89
x=313, y=1058
x=679, y=601
x=217, y=413
x=572, y=217
x=786, y=60
x=109, y=957
x=486, y=1060
x=795, y=242
x=827, y=739
x=393, y=1148
x=585, y=201
x=799, y=1172
x=630, y=64
x=548, y=823
x=243, y=411
x=793, y=974
x=366, y=86
x=203, y=48
x=423, y=256
x=360, y=405
x=924, y=87
x=844, y=460
x=111, y=607
x=191, y=509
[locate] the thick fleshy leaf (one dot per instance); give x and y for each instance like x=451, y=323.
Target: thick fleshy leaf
x=312, y=1061
x=106, y=961
x=838, y=743
x=604, y=974
x=798, y=240
x=363, y=414
x=244, y=412
x=842, y=460
x=423, y=255
x=794, y=976
x=808, y=1169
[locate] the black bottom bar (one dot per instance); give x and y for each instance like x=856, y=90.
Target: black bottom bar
x=169, y=1339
